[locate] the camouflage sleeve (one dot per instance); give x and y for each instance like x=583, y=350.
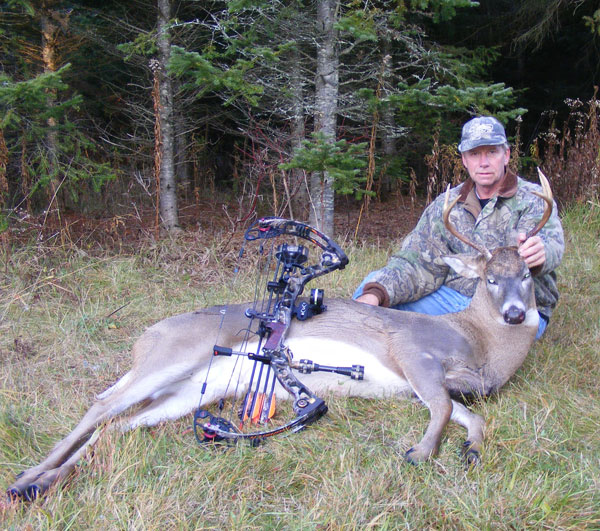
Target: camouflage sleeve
x=416, y=269
x=551, y=234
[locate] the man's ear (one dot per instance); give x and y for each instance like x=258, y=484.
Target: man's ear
x=466, y=265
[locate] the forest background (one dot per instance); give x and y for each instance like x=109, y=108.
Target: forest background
x=142, y=113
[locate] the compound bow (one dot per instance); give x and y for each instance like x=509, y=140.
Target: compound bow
x=291, y=274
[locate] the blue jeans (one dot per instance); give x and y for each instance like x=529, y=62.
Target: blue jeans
x=444, y=300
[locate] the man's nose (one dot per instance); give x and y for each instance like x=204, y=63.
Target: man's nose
x=483, y=159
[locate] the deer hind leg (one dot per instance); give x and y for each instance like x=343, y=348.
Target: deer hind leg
x=475, y=425
x=179, y=399
x=426, y=377
x=35, y=481
x=132, y=389
x=38, y=479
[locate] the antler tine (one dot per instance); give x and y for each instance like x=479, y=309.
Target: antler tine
x=546, y=195
x=453, y=231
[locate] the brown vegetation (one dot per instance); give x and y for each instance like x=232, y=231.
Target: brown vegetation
x=570, y=152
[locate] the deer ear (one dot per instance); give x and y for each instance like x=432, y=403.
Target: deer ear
x=466, y=265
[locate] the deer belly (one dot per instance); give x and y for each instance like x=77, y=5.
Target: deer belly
x=379, y=380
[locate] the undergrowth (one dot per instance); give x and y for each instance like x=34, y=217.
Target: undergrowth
x=68, y=319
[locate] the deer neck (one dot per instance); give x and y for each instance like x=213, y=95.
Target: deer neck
x=500, y=347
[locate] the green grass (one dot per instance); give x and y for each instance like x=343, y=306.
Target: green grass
x=62, y=341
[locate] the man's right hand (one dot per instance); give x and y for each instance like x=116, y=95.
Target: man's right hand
x=368, y=298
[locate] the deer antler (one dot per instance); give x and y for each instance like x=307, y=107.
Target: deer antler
x=546, y=195
x=447, y=208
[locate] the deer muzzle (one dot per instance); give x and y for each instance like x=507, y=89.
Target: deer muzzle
x=514, y=315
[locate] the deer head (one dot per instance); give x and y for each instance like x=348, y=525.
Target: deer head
x=507, y=278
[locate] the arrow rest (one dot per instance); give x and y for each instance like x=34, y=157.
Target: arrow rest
x=289, y=270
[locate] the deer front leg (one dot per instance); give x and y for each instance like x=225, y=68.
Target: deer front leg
x=475, y=426
x=426, y=377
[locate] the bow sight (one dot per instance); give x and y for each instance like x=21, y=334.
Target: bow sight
x=273, y=360
x=290, y=260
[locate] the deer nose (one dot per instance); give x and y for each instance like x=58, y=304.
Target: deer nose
x=514, y=315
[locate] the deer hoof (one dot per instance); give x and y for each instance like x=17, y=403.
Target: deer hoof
x=13, y=494
x=32, y=492
x=470, y=455
x=29, y=494
x=408, y=458
x=414, y=457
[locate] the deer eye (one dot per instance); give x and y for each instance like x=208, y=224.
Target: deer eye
x=526, y=275
x=491, y=281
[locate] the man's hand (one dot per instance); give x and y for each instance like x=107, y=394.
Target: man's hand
x=368, y=298
x=532, y=250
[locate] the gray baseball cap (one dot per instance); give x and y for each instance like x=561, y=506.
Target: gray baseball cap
x=481, y=131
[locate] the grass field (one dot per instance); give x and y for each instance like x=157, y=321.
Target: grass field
x=68, y=318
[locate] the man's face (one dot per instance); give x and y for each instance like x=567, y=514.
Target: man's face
x=485, y=165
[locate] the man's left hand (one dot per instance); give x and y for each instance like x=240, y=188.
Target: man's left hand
x=532, y=250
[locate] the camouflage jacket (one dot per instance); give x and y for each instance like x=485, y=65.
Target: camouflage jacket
x=417, y=269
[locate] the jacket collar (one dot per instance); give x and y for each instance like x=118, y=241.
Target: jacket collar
x=508, y=188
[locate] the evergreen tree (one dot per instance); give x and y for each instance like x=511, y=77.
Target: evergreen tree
x=49, y=159
x=245, y=71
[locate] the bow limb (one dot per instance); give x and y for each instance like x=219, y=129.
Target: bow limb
x=218, y=429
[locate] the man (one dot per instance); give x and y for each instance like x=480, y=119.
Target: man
x=496, y=208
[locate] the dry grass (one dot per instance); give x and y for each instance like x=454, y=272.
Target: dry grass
x=569, y=152
x=63, y=339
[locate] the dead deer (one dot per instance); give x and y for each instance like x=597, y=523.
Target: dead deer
x=474, y=351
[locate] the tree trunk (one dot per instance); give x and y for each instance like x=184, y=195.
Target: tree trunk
x=165, y=157
x=326, y=101
x=388, y=140
x=300, y=200
x=183, y=174
x=50, y=23
x=390, y=151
